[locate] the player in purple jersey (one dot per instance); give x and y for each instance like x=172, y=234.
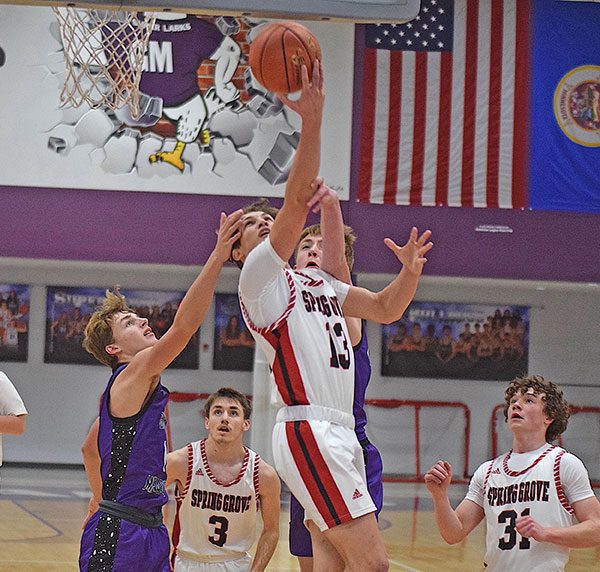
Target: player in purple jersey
x=312, y=253
x=125, y=451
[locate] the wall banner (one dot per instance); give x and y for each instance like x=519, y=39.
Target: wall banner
x=465, y=341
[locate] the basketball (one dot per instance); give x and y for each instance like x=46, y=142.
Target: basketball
x=278, y=52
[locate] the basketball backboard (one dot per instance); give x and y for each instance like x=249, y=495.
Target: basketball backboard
x=348, y=10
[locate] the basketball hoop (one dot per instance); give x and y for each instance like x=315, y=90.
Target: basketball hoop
x=104, y=53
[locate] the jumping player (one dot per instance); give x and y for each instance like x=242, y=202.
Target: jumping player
x=528, y=496
x=297, y=319
x=329, y=246
x=221, y=486
x=131, y=448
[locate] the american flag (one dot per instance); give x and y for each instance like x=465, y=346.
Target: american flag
x=445, y=106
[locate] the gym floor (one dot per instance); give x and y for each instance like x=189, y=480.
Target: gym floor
x=41, y=511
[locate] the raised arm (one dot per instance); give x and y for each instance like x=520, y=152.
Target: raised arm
x=388, y=305
x=270, y=489
x=192, y=309
x=333, y=259
x=291, y=218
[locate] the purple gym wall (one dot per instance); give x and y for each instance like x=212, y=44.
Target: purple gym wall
x=68, y=224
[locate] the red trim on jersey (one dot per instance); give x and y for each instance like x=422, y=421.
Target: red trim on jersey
x=557, y=482
x=209, y=473
x=282, y=318
x=488, y=473
x=179, y=496
x=256, y=481
x=519, y=473
x=286, y=370
x=315, y=473
x=188, y=479
x=309, y=280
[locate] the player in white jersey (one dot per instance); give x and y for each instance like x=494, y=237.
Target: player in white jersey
x=297, y=320
x=536, y=499
x=220, y=488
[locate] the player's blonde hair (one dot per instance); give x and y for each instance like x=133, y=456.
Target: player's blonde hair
x=349, y=240
x=555, y=406
x=98, y=332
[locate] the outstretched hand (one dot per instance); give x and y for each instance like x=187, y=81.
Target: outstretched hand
x=312, y=96
x=323, y=195
x=228, y=233
x=412, y=254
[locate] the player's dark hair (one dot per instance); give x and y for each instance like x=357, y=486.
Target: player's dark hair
x=228, y=393
x=260, y=206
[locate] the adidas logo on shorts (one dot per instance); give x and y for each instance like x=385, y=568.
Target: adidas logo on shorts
x=356, y=495
x=199, y=473
x=496, y=471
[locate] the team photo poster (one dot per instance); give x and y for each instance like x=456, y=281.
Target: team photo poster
x=233, y=343
x=14, y=321
x=68, y=310
x=461, y=341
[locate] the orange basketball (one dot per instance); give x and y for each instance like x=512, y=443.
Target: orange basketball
x=278, y=52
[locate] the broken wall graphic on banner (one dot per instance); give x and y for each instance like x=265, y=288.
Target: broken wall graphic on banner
x=207, y=126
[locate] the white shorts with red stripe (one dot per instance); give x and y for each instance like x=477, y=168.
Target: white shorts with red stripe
x=319, y=458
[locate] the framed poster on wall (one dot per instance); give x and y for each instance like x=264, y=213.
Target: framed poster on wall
x=233, y=343
x=14, y=321
x=68, y=310
x=462, y=341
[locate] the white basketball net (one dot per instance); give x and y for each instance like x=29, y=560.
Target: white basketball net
x=104, y=53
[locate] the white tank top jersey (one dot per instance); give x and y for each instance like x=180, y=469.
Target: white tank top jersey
x=307, y=343
x=542, y=484
x=215, y=521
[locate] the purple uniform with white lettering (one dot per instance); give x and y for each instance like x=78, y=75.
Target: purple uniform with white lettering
x=132, y=452
x=300, y=542
x=175, y=51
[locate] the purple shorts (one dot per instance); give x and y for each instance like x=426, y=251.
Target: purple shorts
x=300, y=542
x=113, y=544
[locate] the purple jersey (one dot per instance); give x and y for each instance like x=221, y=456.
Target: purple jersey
x=175, y=51
x=362, y=375
x=133, y=452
